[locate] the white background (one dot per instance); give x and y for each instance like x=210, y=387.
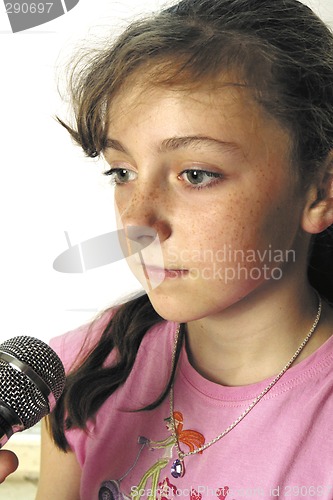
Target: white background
x=46, y=185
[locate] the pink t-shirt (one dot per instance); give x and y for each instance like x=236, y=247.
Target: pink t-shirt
x=283, y=448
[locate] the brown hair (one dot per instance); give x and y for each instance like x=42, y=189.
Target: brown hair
x=281, y=51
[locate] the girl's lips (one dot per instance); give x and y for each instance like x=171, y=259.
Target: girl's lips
x=165, y=273
x=175, y=273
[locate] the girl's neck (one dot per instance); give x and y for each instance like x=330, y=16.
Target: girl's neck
x=254, y=339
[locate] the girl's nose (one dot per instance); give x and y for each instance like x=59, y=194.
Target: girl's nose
x=144, y=219
x=137, y=238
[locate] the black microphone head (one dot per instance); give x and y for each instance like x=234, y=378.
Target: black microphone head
x=32, y=379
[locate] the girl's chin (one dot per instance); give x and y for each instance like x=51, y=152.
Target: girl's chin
x=182, y=306
x=180, y=312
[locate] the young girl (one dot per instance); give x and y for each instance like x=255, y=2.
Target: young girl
x=216, y=120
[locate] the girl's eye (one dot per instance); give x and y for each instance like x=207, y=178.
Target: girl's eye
x=200, y=178
x=120, y=175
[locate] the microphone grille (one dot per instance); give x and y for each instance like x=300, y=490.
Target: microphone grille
x=17, y=390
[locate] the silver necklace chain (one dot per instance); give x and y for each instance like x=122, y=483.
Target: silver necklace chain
x=180, y=453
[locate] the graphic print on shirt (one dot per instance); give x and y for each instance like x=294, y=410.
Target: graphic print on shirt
x=151, y=485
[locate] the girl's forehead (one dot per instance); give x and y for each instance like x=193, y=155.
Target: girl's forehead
x=145, y=83
x=229, y=96
x=145, y=119
x=227, y=103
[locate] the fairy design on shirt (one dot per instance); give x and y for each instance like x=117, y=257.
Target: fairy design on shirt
x=110, y=490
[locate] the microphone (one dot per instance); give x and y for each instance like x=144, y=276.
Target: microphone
x=32, y=379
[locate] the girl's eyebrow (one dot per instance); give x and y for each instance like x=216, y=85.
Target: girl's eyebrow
x=174, y=143
x=192, y=141
x=116, y=145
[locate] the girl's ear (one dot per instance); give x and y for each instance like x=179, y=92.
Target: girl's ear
x=318, y=211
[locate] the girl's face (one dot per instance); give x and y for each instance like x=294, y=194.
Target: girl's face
x=209, y=174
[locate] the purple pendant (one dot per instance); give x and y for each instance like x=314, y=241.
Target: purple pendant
x=177, y=468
